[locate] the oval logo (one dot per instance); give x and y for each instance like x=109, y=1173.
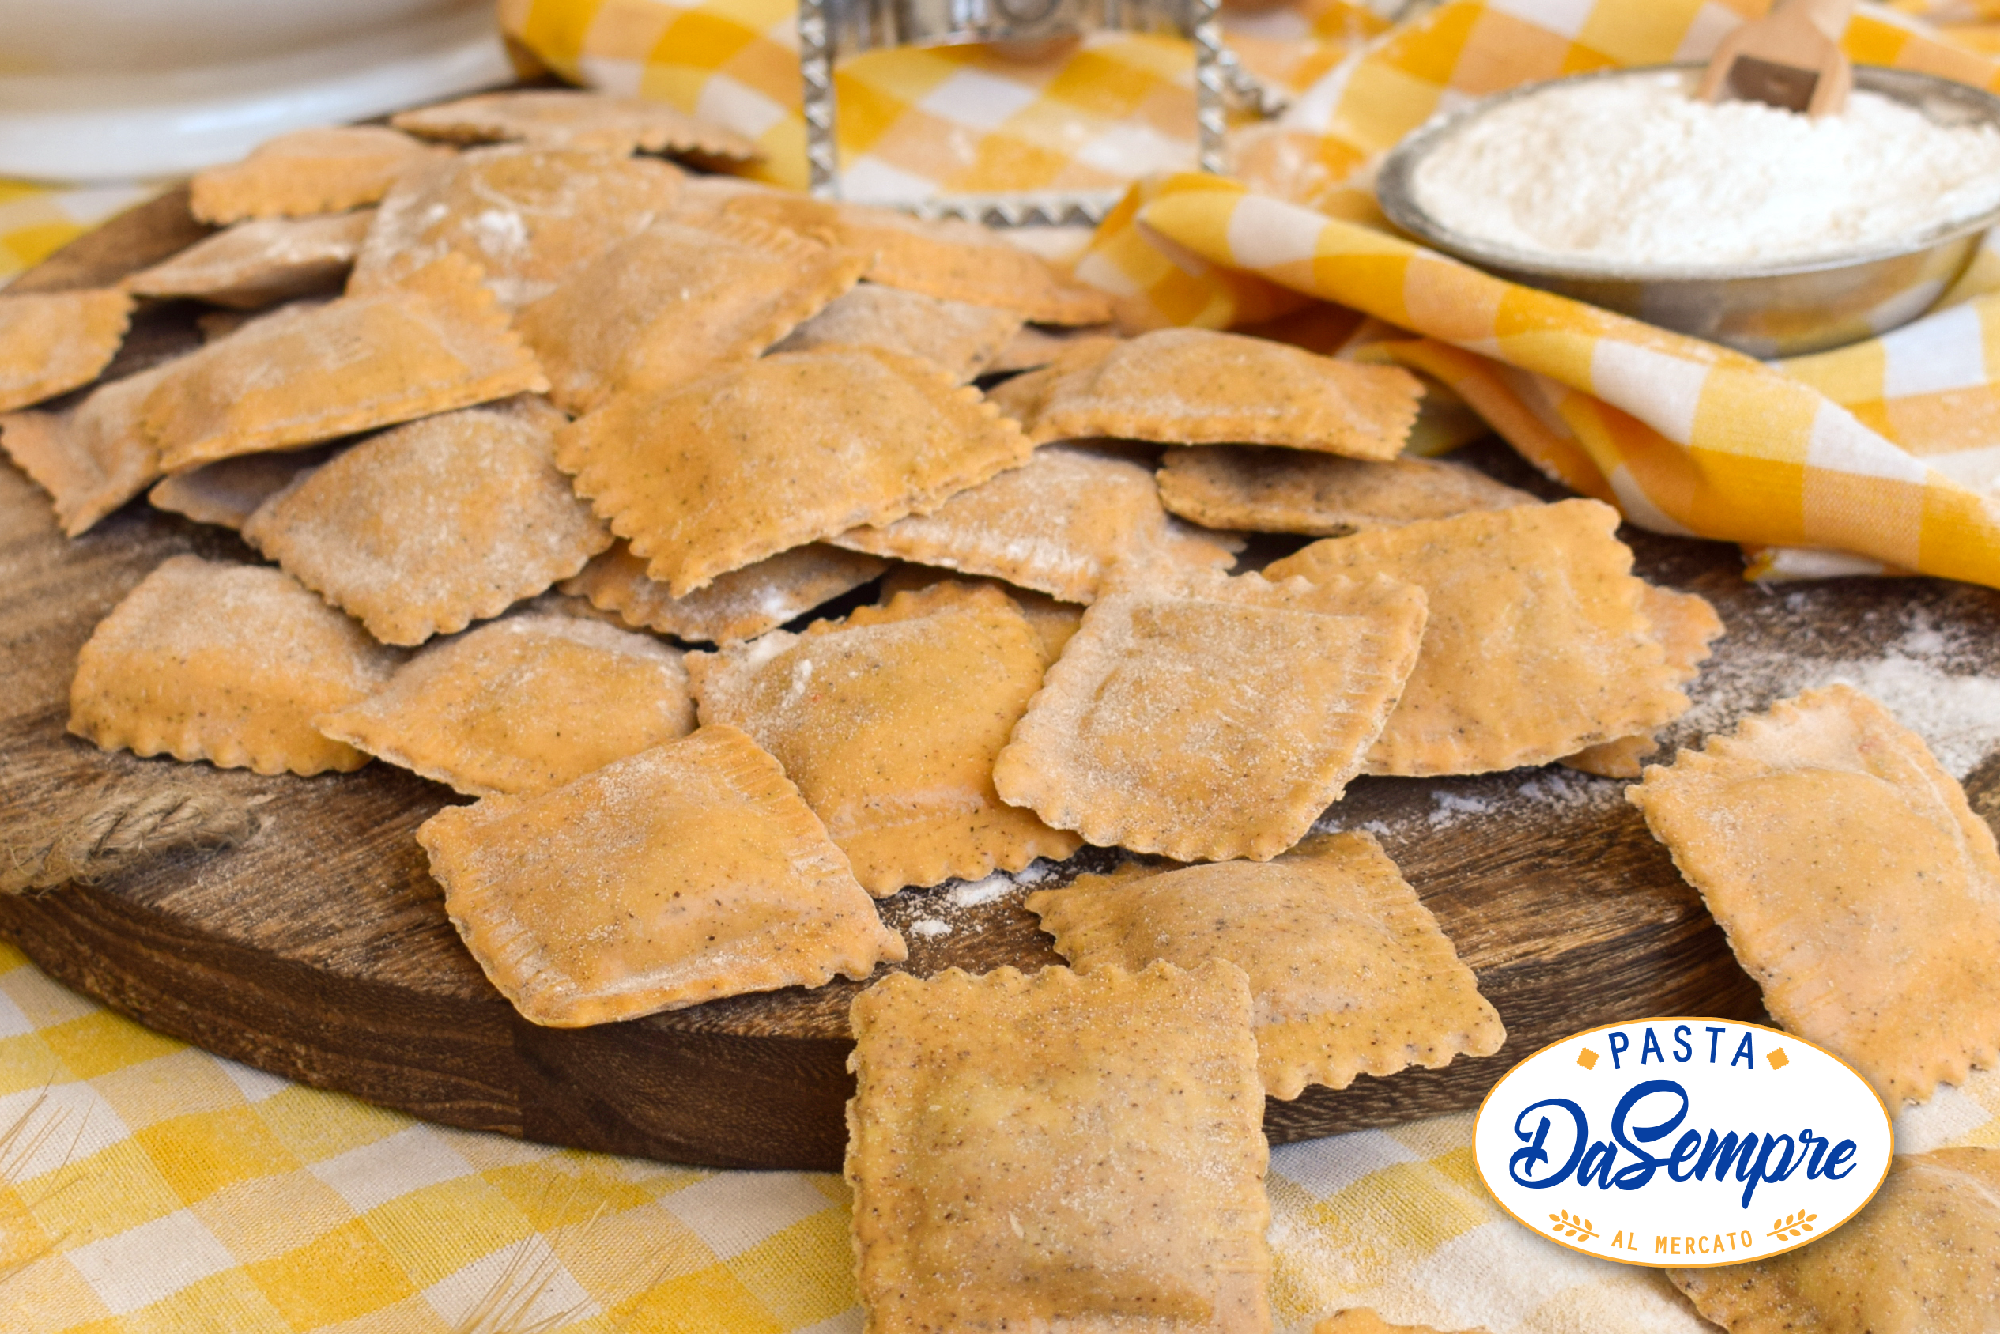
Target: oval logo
x=1683, y=1142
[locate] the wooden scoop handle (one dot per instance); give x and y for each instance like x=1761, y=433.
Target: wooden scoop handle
x=1799, y=34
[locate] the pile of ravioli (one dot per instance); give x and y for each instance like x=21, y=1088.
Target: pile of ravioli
x=546, y=439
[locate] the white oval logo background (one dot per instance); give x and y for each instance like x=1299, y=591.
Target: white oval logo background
x=1703, y=1142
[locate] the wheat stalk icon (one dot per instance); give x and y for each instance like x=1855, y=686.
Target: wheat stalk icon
x=1793, y=1225
x=1578, y=1227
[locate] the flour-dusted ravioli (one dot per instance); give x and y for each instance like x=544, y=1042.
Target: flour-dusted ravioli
x=1856, y=886
x=424, y=529
x=307, y=171
x=91, y=458
x=304, y=374
x=225, y=663
x=677, y=300
x=889, y=721
x=1061, y=1151
x=1537, y=644
x=1295, y=491
x=1685, y=624
x=684, y=873
x=522, y=705
x=1349, y=973
x=1198, y=387
x=1053, y=622
x=524, y=216
x=960, y=337
x=569, y=118
x=261, y=262
x=227, y=492
x=53, y=342
x=1923, y=1257
x=1058, y=524
x=1032, y=348
x=742, y=604
x=951, y=259
x=717, y=474
x=1362, y=1320
x=1208, y=717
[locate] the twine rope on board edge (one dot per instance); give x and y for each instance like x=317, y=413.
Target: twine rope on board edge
x=112, y=830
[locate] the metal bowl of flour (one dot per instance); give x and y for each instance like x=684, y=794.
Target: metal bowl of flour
x=1765, y=310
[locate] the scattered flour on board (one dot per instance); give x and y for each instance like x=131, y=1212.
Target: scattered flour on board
x=957, y=908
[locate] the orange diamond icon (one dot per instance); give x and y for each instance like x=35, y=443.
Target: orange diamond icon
x=1587, y=1059
x=1776, y=1056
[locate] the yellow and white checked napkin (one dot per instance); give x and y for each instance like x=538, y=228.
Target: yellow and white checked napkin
x=147, y=1187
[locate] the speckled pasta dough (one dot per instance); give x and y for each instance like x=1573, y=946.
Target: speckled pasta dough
x=742, y=604
x=1922, y=1257
x=1054, y=622
x=307, y=171
x=53, y=342
x=1067, y=1152
x=227, y=492
x=1210, y=717
x=958, y=336
x=523, y=216
x=1537, y=643
x=91, y=458
x=679, y=875
x=424, y=529
x=1855, y=885
x=308, y=373
x=677, y=300
x=720, y=473
x=1058, y=525
x=568, y=118
x=225, y=663
x=1293, y=491
x=889, y=721
x=1685, y=624
x=1362, y=1320
x=950, y=258
x=260, y=262
x=522, y=705
x=1349, y=973
x=1198, y=387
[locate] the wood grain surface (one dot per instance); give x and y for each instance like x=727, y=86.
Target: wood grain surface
x=319, y=949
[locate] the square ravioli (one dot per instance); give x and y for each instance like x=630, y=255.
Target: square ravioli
x=53, y=342
x=961, y=338
x=1685, y=624
x=1349, y=973
x=889, y=721
x=228, y=491
x=308, y=373
x=261, y=262
x=711, y=476
x=1062, y=1151
x=742, y=604
x=950, y=259
x=523, y=216
x=569, y=118
x=91, y=458
x=1537, y=644
x=522, y=705
x=1199, y=387
x=225, y=663
x=424, y=529
x=675, y=876
x=325, y=170
x=1213, y=717
x=677, y=300
x=1053, y=622
x=1293, y=491
x=1058, y=524
x=1856, y=886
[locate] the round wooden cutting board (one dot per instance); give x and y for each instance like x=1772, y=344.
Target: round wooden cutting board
x=319, y=949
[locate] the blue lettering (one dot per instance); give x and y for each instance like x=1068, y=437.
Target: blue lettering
x=1714, y=1035
x=1521, y=1166
x=1843, y=1152
x=1744, y=1053
x=1763, y=1171
x=1818, y=1144
x=1684, y=1149
x=1650, y=1049
x=1597, y=1160
x=1620, y=1044
x=1639, y=1173
x=1683, y=1049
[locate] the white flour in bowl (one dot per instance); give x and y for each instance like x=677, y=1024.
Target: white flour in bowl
x=1634, y=171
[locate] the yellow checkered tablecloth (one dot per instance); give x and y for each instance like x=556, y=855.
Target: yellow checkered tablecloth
x=148, y=1187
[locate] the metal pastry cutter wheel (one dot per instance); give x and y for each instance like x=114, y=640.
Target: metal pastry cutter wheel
x=832, y=28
